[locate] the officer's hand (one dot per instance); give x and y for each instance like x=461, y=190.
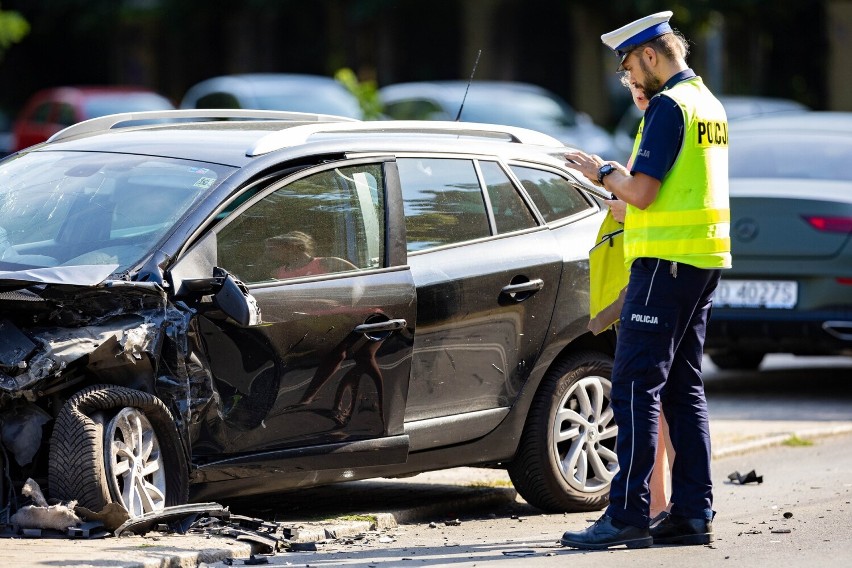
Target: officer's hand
x=618, y=209
x=586, y=164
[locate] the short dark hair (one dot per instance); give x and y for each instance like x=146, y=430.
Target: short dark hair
x=673, y=45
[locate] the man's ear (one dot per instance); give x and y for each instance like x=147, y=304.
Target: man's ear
x=650, y=54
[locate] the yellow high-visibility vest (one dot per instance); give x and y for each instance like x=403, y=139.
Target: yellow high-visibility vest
x=689, y=221
x=608, y=275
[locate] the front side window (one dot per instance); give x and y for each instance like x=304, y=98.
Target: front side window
x=443, y=202
x=85, y=208
x=554, y=195
x=324, y=223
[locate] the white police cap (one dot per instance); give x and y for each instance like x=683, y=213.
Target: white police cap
x=634, y=34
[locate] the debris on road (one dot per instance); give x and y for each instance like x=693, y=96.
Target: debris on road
x=519, y=553
x=750, y=477
x=41, y=515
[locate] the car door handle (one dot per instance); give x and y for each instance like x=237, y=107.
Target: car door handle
x=380, y=327
x=528, y=286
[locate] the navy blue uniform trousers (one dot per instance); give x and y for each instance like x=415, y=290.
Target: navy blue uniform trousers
x=658, y=359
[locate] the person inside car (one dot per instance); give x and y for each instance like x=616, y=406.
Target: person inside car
x=293, y=253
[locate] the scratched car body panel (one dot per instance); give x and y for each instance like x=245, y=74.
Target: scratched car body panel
x=227, y=307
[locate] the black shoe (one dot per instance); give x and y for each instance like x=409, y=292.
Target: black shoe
x=675, y=529
x=607, y=532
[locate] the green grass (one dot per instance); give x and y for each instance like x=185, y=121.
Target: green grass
x=494, y=483
x=368, y=518
x=795, y=441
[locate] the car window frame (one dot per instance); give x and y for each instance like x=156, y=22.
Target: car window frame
x=492, y=219
x=391, y=260
x=541, y=225
x=593, y=208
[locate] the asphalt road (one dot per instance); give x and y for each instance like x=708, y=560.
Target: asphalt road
x=810, y=484
x=784, y=388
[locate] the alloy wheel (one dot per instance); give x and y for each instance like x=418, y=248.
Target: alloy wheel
x=134, y=464
x=584, y=434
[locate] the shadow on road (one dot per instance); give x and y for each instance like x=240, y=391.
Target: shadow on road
x=784, y=388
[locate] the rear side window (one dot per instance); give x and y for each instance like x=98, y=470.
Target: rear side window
x=510, y=211
x=554, y=195
x=328, y=222
x=443, y=202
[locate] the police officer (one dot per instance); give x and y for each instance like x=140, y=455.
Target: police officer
x=676, y=240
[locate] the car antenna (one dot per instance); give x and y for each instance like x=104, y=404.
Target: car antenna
x=469, y=81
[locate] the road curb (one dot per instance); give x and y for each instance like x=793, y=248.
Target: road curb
x=778, y=439
x=464, y=501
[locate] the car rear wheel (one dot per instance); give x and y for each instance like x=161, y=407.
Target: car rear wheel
x=566, y=458
x=743, y=360
x=115, y=444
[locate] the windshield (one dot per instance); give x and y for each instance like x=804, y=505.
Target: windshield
x=78, y=209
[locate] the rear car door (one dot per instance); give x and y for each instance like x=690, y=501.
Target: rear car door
x=330, y=361
x=486, y=274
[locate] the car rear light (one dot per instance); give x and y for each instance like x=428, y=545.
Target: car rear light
x=847, y=281
x=830, y=224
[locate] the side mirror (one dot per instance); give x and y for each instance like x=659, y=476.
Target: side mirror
x=229, y=295
x=235, y=301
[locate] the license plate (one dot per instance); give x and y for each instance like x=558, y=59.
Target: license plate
x=775, y=294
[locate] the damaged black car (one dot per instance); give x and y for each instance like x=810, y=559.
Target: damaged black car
x=194, y=308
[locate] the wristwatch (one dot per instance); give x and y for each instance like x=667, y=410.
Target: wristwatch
x=604, y=171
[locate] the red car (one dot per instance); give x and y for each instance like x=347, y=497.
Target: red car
x=50, y=110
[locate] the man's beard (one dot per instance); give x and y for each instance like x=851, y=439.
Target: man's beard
x=651, y=84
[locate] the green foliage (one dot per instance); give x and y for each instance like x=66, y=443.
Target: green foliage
x=366, y=92
x=795, y=441
x=13, y=29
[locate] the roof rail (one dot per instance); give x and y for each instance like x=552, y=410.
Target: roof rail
x=101, y=123
x=296, y=135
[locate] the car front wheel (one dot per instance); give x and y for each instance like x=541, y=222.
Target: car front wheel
x=566, y=458
x=115, y=444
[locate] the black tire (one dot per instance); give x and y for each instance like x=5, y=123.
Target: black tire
x=76, y=468
x=537, y=470
x=738, y=360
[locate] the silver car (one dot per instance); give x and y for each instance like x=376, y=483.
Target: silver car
x=498, y=102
